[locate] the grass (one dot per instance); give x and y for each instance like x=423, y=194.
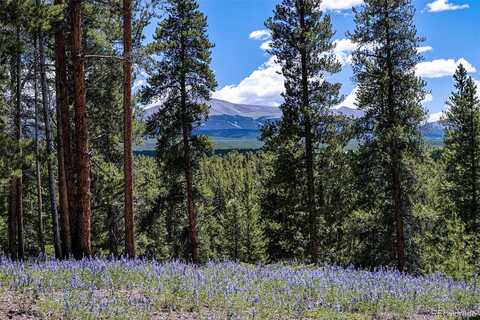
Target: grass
x=122, y=289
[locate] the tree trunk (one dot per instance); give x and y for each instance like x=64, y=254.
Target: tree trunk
x=127, y=123
x=66, y=169
x=48, y=137
x=41, y=237
x=312, y=212
x=81, y=133
x=65, y=175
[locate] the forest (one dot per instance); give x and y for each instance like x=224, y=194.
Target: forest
x=71, y=188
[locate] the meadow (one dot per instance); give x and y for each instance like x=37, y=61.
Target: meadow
x=126, y=289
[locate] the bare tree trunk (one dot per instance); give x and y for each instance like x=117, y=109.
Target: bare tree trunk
x=49, y=150
x=81, y=132
x=65, y=176
x=41, y=236
x=68, y=214
x=127, y=122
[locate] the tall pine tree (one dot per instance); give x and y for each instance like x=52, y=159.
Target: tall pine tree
x=391, y=96
x=302, y=42
x=182, y=80
x=462, y=149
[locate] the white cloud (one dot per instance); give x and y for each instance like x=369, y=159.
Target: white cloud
x=266, y=45
x=434, y=117
x=442, y=67
x=343, y=50
x=263, y=87
x=424, y=49
x=428, y=98
x=444, y=5
x=263, y=34
x=339, y=4
x=349, y=100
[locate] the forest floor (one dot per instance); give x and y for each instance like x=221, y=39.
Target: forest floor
x=123, y=289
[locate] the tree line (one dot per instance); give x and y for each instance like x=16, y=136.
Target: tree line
x=324, y=188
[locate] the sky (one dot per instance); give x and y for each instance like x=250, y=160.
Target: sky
x=247, y=74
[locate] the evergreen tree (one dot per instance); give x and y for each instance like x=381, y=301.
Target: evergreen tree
x=462, y=149
x=231, y=187
x=391, y=96
x=302, y=42
x=182, y=80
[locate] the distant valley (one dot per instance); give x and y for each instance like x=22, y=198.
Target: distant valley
x=237, y=126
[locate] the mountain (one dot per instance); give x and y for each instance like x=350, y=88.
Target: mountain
x=225, y=116
x=224, y=108
x=234, y=122
x=433, y=132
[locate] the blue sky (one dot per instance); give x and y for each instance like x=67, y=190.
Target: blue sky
x=246, y=74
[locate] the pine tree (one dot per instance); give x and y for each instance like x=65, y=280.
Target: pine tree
x=302, y=42
x=231, y=189
x=182, y=80
x=462, y=146
x=391, y=96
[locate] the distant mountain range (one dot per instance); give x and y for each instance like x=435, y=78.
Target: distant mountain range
x=243, y=121
x=225, y=116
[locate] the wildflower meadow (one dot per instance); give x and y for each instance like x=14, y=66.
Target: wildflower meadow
x=126, y=289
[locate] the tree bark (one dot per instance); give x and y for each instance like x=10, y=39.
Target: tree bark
x=41, y=236
x=127, y=122
x=81, y=133
x=65, y=167
x=49, y=150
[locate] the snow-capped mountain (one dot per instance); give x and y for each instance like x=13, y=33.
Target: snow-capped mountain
x=225, y=115
x=224, y=108
x=243, y=121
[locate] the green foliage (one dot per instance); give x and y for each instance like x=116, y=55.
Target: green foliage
x=231, y=187
x=391, y=95
x=308, y=134
x=462, y=150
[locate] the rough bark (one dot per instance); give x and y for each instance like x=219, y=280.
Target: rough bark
x=65, y=167
x=127, y=122
x=81, y=133
x=49, y=149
